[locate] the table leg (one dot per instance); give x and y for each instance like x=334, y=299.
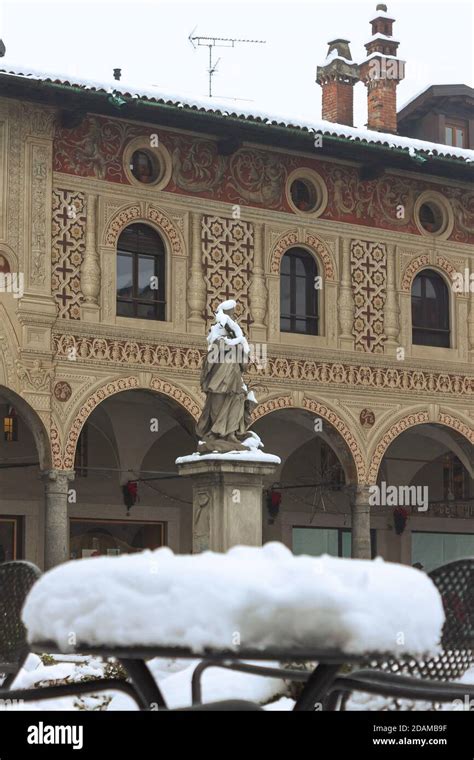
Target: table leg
x=315, y=688
x=145, y=685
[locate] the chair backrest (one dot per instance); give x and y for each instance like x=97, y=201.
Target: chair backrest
x=16, y=580
x=455, y=583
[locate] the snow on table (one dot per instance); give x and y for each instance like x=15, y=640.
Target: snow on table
x=250, y=598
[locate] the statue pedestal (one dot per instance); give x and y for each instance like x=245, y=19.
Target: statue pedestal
x=227, y=499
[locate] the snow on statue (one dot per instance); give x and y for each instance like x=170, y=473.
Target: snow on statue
x=226, y=417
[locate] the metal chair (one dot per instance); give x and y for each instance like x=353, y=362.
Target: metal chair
x=455, y=583
x=407, y=678
x=16, y=580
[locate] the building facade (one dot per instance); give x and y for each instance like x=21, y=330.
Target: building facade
x=126, y=217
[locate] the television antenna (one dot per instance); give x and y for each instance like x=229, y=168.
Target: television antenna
x=213, y=42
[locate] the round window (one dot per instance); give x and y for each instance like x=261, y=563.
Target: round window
x=304, y=195
x=144, y=166
x=431, y=217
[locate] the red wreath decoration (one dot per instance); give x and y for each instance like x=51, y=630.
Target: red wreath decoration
x=273, y=503
x=130, y=493
x=400, y=517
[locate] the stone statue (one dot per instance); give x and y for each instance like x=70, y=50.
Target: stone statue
x=226, y=417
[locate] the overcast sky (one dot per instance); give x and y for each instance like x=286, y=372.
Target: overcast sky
x=149, y=41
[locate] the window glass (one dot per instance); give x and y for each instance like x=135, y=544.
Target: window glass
x=146, y=270
x=10, y=536
x=435, y=549
x=141, y=259
x=144, y=166
x=113, y=537
x=430, y=310
x=315, y=541
x=298, y=296
x=124, y=274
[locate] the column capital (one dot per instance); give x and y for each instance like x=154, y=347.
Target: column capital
x=61, y=477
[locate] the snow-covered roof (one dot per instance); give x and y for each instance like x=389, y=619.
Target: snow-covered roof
x=228, y=109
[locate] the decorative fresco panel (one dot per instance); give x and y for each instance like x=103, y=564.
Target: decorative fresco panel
x=227, y=246
x=68, y=244
x=255, y=177
x=369, y=277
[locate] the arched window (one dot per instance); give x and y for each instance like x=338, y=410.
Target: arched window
x=430, y=310
x=298, y=293
x=141, y=273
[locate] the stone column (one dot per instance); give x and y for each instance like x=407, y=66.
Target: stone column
x=56, y=524
x=471, y=328
x=361, y=523
x=346, y=299
x=90, y=270
x=227, y=501
x=257, y=289
x=196, y=283
x=392, y=327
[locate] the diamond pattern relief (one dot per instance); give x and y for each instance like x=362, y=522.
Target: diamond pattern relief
x=227, y=246
x=369, y=277
x=68, y=243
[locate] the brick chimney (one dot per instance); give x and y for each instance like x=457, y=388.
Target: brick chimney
x=381, y=72
x=337, y=77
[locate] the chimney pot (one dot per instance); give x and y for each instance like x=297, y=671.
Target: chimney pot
x=117, y=73
x=337, y=77
x=381, y=72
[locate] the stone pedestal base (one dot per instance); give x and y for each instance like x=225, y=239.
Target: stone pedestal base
x=227, y=501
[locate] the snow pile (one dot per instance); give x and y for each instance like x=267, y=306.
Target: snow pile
x=172, y=676
x=254, y=454
x=251, y=597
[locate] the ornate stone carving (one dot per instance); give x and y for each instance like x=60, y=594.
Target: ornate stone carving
x=256, y=177
x=136, y=212
x=415, y=418
x=56, y=448
x=119, y=221
x=271, y=405
x=35, y=376
x=228, y=246
x=330, y=415
x=123, y=384
x=39, y=240
x=369, y=274
x=9, y=364
x=276, y=368
x=471, y=323
x=183, y=399
x=367, y=418
x=457, y=424
x=290, y=239
x=421, y=262
x=62, y=391
x=324, y=254
x=68, y=245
